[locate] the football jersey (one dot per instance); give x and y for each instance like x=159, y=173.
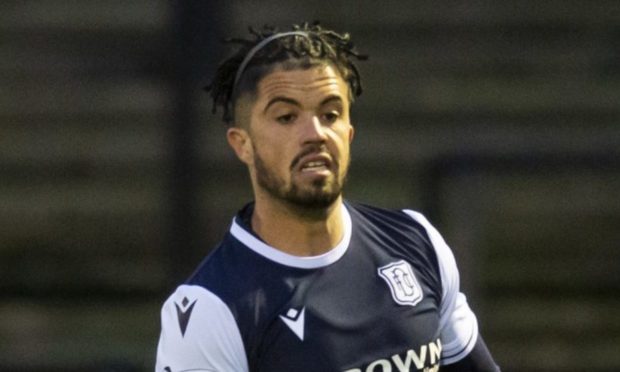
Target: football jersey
x=386, y=298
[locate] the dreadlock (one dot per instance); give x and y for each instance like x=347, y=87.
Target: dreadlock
x=305, y=44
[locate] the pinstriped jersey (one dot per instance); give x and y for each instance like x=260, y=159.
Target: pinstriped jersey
x=386, y=298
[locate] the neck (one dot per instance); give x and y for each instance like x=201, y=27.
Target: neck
x=298, y=231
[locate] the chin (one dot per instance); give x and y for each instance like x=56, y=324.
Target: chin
x=318, y=198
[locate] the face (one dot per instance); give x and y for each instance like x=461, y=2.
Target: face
x=296, y=143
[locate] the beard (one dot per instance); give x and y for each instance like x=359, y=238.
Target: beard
x=319, y=195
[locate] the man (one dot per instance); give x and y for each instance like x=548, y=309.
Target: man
x=305, y=281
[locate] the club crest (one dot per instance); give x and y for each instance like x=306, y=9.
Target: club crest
x=402, y=282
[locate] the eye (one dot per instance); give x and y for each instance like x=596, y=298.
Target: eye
x=286, y=119
x=331, y=116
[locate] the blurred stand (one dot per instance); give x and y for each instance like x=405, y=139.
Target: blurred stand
x=498, y=119
x=197, y=25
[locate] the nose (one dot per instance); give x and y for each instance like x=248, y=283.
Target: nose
x=314, y=131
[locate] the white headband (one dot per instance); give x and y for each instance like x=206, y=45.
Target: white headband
x=258, y=47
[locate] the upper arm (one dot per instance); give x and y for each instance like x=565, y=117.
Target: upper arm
x=478, y=360
x=199, y=333
x=458, y=324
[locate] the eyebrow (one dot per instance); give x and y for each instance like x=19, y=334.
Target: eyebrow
x=281, y=99
x=329, y=99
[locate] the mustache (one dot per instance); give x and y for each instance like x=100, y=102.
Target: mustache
x=312, y=149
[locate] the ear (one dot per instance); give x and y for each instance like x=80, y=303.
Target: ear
x=351, y=133
x=241, y=143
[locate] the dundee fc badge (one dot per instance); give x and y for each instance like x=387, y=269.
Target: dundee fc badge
x=402, y=282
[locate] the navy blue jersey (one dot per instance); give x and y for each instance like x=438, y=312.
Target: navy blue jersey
x=386, y=298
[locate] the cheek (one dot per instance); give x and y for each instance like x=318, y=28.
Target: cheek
x=274, y=157
x=343, y=141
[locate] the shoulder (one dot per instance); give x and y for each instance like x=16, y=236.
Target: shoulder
x=389, y=219
x=445, y=258
x=399, y=224
x=190, y=306
x=436, y=239
x=222, y=269
x=198, y=330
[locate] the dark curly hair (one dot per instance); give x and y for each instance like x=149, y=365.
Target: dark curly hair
x=305, y=46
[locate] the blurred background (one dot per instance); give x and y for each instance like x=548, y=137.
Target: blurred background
x=498, y=119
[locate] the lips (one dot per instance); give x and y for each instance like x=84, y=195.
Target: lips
x=313, y=162
x=316, y=165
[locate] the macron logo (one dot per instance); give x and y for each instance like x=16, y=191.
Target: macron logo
x=295, y=321
x=183, y=313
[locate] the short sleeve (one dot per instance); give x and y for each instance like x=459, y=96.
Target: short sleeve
x=199, y=333
x=458, y=324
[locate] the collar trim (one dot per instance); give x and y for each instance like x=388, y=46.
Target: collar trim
x=301, y=262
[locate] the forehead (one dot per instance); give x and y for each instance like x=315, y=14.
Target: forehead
x=313, y=82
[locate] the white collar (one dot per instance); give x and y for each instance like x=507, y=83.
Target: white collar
x=302, y=262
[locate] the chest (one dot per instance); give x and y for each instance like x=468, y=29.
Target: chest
x=378, y=304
